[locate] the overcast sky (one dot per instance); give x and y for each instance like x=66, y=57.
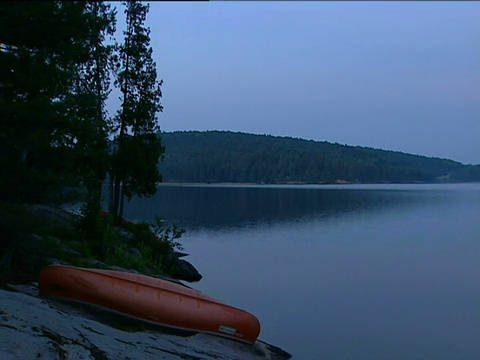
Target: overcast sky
x=392, y=75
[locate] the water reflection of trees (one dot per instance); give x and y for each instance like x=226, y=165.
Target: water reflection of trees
x=213, y=207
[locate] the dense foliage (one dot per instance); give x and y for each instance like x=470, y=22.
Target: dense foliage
x=55, y=131
x=57, y=59
x=32, y=235
x=44, y=46
x=216, y=156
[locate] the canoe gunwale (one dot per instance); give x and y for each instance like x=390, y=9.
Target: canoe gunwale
x=108, y=275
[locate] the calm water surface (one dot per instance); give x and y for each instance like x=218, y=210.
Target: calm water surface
x=339, y=272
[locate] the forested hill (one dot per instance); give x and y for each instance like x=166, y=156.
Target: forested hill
x=220, y=156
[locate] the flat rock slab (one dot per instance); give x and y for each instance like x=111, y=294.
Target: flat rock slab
x=33, y=327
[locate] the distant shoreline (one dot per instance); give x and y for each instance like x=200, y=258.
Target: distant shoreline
x=226, y=157
x=253, y=184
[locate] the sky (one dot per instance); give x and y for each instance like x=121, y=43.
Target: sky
x=401, y=76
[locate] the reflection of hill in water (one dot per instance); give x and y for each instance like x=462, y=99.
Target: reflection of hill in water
x=214, y=207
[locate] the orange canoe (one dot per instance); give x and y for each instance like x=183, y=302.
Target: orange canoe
x=151, y=299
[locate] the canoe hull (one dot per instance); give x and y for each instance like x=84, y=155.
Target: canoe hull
x=151, y=299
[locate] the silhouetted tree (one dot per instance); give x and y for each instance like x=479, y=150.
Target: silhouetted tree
x=134, y=165
x=88, y=102
x=52, y=92
x=41, y=50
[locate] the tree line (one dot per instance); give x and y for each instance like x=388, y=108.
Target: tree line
x=58, y=60
x=219, y=156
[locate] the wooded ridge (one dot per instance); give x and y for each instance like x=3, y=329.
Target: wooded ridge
x=223, y=156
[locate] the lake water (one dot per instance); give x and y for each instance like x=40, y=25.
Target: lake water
x=339, y=272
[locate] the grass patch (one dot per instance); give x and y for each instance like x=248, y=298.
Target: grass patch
x=31, y=237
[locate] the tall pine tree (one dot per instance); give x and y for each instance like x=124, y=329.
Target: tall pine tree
x=134, y=168
x=88, y=97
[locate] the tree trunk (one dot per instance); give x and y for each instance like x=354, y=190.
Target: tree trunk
x=119, y=177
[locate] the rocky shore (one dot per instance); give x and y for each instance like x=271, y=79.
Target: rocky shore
x=38, y=327
x=34, y=327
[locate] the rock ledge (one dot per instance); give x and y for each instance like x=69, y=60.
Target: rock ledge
x=34, y=327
